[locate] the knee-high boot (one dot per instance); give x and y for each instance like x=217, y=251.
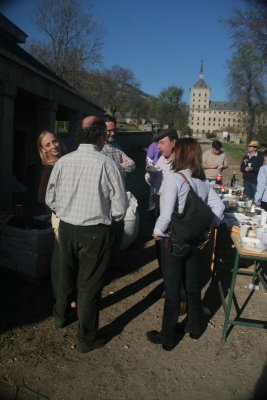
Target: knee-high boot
x=169, y=320
x=194, y=311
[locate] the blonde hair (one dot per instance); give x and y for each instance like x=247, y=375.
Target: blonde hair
x=43, y=155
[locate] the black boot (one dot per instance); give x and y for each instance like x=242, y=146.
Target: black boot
x=169, y=320
x=194, y=312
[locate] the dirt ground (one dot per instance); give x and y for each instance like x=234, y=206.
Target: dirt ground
x=39, y=362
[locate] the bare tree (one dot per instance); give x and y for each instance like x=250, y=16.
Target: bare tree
x=117, y=85
x=72, y=39
x=246, y=84
x=249, y=26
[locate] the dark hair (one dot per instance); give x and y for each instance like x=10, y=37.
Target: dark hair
x=216, y=145
x=187, y=154
x=91, y=133
x=109, y=118
x=265, y=153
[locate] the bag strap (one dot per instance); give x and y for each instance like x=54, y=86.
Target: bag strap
x=185, y=178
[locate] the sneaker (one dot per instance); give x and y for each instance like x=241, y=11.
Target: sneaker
x=85, y=348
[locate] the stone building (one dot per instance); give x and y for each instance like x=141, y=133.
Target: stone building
x=32, y=99
x=206, y=116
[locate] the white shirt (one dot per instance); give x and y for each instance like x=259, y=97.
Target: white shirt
x=173, y=196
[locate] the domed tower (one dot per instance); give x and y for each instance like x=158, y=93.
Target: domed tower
x=198, y=103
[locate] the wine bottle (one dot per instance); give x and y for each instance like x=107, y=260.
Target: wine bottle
x=233, y=180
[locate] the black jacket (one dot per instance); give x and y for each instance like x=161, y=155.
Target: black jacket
x=256, y=162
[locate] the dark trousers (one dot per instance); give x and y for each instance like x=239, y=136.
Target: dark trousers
x=117, y=231
x=84, y=257
x=250, y=189
x=177, y=271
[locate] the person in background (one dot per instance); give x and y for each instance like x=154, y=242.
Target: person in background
x=152, y=154
x=125, y=165
x=50, y=149
x=86, y=192
x=214, y=161
x=111, y=124
x=166, y=140
x=261, y=193
x=111, y=149
x=187, y=159
x=250, y=165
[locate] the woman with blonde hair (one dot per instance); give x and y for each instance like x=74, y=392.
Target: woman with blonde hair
x=50, y=149
x=187, y=160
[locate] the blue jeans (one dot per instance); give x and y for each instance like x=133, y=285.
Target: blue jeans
x=178, y=270
x=250, y=189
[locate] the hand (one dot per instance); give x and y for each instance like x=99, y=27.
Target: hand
x=156, y=237
x=155, y=198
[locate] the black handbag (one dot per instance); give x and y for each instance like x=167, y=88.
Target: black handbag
x=188, y=227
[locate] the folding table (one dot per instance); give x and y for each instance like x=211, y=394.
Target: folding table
x=257, y=275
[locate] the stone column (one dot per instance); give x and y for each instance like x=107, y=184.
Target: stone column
x=8, y=93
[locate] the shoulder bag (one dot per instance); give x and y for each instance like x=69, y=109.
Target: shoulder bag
x=188, y=227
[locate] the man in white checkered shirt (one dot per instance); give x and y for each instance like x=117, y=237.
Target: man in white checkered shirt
x=86, y=191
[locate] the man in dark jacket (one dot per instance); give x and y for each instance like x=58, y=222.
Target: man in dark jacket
x=250, y=166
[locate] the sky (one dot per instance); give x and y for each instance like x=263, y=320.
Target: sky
x=161, y=41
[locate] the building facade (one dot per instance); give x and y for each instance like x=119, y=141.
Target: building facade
x=206, y=116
